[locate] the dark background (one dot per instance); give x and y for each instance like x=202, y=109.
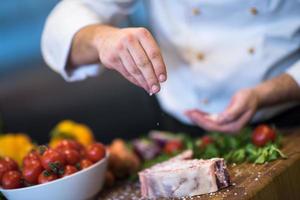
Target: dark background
x=33, y=98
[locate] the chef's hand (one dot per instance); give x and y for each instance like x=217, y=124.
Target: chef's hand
x=132, y=52
x=239, y=111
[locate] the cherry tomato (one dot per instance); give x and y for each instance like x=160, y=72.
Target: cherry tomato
x=69, y=169
x=206, y=140
x=3, y=168
x=263, y=134
x=31, y=172
x=85, y=163
x=95, y=152
x=12, y=180
x=30, y=158
x=7, y=164
x=72, y=156
x=69, y=144
x=12, y=165
x=52, y=156
x=173, y=146
x=46, y=177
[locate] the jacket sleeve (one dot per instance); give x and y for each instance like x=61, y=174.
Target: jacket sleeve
x=294, y=71
x=68, y=17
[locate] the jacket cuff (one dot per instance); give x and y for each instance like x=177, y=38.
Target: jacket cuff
x=294, y=72
x=62, y=24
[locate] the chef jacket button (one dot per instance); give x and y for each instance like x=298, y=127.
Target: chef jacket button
x=251, y=50
x=253, y=11
x=196, y=11
x=200, y=56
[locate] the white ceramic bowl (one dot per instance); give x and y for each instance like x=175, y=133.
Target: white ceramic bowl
x=82, y=185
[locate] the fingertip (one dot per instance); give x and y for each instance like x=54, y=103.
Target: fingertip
x=162, y=78
x=155, y=88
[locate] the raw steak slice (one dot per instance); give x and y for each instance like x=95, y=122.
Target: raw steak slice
x=179, y=177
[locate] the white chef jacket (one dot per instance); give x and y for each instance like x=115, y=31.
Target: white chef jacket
x=211, y=49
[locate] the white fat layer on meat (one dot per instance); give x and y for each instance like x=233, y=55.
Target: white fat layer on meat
x=174, y=165
x=183, y=156
x=187, y=178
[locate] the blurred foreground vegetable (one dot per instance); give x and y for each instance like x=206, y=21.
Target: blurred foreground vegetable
x=68, y=129
x=122, y=160
x=15, y=146
x=146, y=149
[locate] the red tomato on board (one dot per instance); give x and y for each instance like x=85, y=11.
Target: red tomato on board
x=206, y=140
x=173, y=146
x=263, y=134
x=12, y=180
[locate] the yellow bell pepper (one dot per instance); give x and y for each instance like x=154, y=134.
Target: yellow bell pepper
x=15, y=146
x=68, y=129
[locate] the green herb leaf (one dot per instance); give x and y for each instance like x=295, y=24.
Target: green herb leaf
x=238, y=156
x=211, y=151
x=260, y=160
x=46, y=173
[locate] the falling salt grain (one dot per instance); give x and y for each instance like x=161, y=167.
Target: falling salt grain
x=256, y=179
x=235, y=194
x=233, y=184
x=245, y=193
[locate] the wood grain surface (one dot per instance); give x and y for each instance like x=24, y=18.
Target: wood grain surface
x=276, y=180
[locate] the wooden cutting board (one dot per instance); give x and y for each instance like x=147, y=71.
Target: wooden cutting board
x=275, y=180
